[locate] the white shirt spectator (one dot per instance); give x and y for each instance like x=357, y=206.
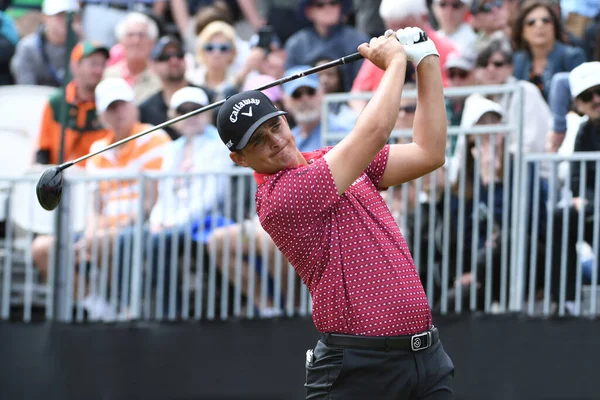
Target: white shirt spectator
x=464, y=38
x=182, y=200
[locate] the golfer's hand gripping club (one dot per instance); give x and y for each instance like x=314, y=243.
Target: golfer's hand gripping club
x=416, y=44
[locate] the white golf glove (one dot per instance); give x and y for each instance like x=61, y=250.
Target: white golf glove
x=415, y=50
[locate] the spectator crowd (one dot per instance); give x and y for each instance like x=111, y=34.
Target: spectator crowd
x=122, y=66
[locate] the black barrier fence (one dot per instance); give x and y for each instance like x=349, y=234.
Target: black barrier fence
x=505, y=358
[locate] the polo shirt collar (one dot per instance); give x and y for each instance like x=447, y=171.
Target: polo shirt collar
x=310, y=157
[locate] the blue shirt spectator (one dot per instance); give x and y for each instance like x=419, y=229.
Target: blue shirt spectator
x=538, y=38
x=199, y=149
x=303, y=99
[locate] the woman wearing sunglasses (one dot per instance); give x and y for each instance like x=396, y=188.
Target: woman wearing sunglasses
x=215, y=53
x=539, y=37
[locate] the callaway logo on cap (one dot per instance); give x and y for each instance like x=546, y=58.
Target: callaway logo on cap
x=241, y=115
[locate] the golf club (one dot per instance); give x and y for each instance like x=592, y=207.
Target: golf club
x=49, y=187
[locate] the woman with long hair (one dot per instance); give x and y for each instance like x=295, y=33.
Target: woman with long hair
x=539, y=41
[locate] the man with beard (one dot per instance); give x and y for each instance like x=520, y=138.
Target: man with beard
x=168, y=63
x=303, y=100
x=82, y=127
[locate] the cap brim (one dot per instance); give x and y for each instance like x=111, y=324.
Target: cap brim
x=588, y=85
x=244, y=141
x=458, y=64
x=104, y=106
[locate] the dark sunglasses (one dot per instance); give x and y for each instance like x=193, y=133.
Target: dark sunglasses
x=167, y=56
x=496, y=64
x=488, y=7
x=409, y=109
x=182, y=110
x=457, y=73
x=298, y=93
x=588, y=95
x=323, y=4
x=544, y=20
x=223, y=48
x=454, y=6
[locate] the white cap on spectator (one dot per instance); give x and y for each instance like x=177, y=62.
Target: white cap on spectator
x=110, y=90
x=53, y=7
x=401, y=9
x=476, y=106
x=188, y=94
x=583, y=77
x=464, y=61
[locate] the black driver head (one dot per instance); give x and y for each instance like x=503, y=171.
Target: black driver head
x=49, y=188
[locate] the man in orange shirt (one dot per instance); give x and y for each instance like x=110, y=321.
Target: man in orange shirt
x=117, y=201
x=82, y=127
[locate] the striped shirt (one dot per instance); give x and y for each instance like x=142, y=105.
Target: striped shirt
x=120, y=197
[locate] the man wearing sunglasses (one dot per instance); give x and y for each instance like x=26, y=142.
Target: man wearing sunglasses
x=327, y=35
x=488, y=16
x=168, y=63
x=303, y=99
x=584, y=82
x=450, y=15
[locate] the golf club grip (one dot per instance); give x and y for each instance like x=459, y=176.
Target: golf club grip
x=357, y=56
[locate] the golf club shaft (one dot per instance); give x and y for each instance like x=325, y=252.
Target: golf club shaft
x=340, y=61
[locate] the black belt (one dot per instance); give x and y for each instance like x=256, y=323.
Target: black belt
x=416, y=342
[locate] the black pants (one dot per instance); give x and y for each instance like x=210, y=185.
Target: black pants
x=355, y=373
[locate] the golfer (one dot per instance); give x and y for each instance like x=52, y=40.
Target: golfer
x=324, y=212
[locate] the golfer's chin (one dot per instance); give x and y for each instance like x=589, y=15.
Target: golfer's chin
x=286, y=157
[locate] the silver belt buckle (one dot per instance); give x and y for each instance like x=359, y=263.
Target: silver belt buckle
x=417, y=342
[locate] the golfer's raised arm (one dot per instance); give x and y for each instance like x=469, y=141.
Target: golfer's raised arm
x=427, y=151
x=349, y=158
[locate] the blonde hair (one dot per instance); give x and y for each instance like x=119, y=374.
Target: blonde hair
x=212, y=29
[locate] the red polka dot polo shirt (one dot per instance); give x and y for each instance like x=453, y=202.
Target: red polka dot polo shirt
x=347, y=249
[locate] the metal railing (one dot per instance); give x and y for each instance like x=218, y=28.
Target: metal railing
x=563, y=272
x=471, y=253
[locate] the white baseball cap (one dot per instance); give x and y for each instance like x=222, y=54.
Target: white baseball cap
x=583, y=77
x=188, y=94
x=475, y=107
x=110, y=90
x=464, y=61
x=53, y=7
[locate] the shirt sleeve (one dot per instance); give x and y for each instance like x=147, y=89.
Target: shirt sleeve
x=376, y=169
x=23, y=65
x=47, y=136
x=152, y=152
x=560, y=101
